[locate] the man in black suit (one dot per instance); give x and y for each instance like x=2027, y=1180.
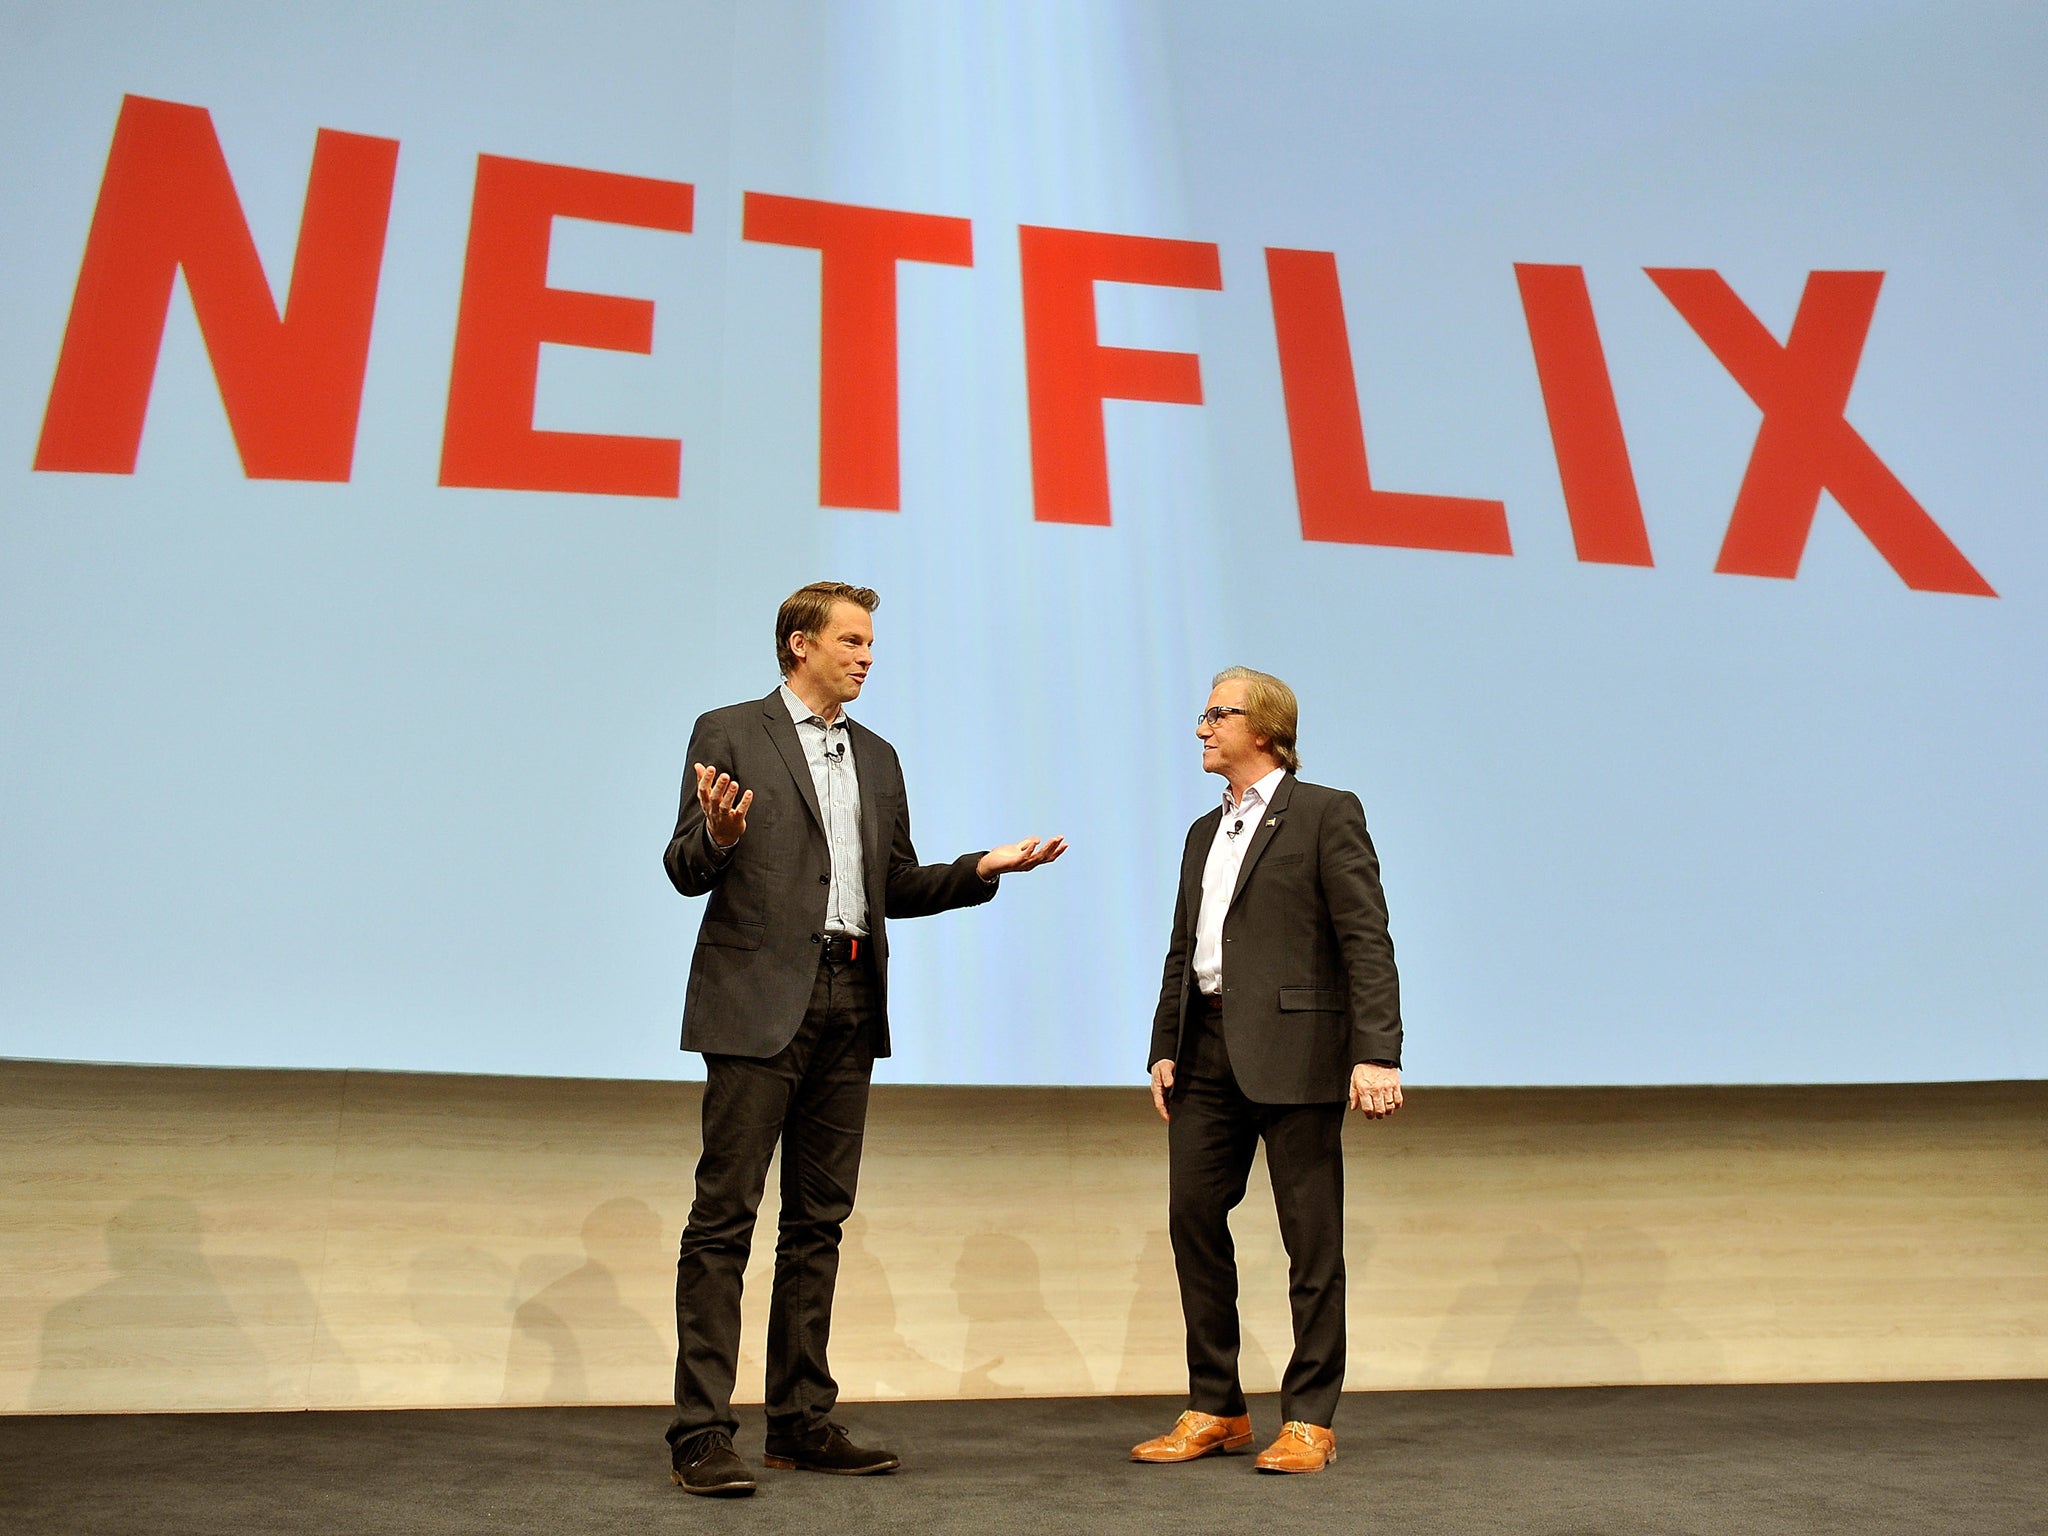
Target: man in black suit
x=788, y=1001
x=1279, y=1007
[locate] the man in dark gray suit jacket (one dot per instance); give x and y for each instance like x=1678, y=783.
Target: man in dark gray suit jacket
x=795, y=823
x=1279, y=1007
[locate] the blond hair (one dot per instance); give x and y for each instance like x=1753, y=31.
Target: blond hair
x=1270, y=710
x=807, y=610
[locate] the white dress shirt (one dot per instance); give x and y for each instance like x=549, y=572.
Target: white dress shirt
x=1219, y=875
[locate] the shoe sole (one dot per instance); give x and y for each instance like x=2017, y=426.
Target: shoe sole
x=1326, y=1461
x=721, y=1491
x=785, y=1464
x=1227, y=1448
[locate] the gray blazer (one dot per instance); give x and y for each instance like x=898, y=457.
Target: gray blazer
x=1309, y=987
x=758, y=949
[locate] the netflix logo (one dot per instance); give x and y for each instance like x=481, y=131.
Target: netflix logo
x=291, y=377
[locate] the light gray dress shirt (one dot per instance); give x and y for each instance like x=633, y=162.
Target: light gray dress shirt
x=829, y=751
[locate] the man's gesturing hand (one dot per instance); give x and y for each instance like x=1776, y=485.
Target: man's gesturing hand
x=1376, y=1090
x=1162, y=1085
x=1014, y=858
x=725, y=808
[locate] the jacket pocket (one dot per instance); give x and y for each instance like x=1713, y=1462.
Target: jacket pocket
x=1310, y=1000
x=731, y=933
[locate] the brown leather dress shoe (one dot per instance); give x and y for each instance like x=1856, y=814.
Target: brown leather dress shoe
x=1197, y=1434
x=1300, y=1448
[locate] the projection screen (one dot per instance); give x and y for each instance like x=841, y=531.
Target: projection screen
x=1620, y=424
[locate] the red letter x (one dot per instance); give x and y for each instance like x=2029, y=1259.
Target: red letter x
x=1804, y=445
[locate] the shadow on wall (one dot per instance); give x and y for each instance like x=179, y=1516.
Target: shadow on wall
x=1626, y=1281
x=1014, y=1344
x=867, y=1333
x=575, y=1340
x=1155, y=1333
x=1551, y=1311
x=171, y=1313
x=458, y=1298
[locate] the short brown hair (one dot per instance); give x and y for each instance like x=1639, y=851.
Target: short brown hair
x=1270, y=709
x=806, y=611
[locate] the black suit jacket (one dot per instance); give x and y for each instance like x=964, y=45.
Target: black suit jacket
x=1309, y=987
x=758, y=949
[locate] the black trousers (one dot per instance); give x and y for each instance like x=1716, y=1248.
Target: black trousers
x=1211, y=1140
x=813, y=1097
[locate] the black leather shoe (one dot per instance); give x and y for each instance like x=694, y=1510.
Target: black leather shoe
x=826, y=1449
x=707, y=1463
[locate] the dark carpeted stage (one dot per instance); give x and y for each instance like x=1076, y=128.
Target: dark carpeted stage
x=1869, y=1459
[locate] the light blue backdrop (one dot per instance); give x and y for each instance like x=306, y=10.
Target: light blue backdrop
x=378, y=774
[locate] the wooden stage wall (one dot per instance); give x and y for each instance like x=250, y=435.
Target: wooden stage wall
x=181, y=1239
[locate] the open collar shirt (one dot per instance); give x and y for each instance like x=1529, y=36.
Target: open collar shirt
x=828, y=748
x=1219, y=875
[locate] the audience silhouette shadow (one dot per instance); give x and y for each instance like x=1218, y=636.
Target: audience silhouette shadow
x=1550, y=1312
x=1014, y=1344
x=458, y=1296
x=870, y=1353
x=1155, y=1331
x=164, y=1306
x=575, y=1340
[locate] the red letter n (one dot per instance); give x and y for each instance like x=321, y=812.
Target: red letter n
x=1069, y=373
x=1339, y=502
x=508, y=310
x=292, y=386
x=1804, y=446
x=857, y=397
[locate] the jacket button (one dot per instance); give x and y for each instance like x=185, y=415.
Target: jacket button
x=824, y=879
x=814, y=938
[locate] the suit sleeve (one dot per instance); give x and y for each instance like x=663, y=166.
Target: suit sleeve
x=1166, y=1017
x=1358, y=914
x=694, y=864
x=919, y=890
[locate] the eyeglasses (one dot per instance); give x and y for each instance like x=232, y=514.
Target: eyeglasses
x=1213, y=717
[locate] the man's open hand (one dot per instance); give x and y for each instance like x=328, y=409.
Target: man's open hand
x=1015, y=858
x=724, y=807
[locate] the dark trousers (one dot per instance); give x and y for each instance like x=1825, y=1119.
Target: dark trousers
x=1214, y=1133
x=813, y=1097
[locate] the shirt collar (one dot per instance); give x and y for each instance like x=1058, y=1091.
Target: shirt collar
x=1260, y=793
x=801, y=713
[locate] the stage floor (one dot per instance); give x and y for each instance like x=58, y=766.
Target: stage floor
x=1867, y=1459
